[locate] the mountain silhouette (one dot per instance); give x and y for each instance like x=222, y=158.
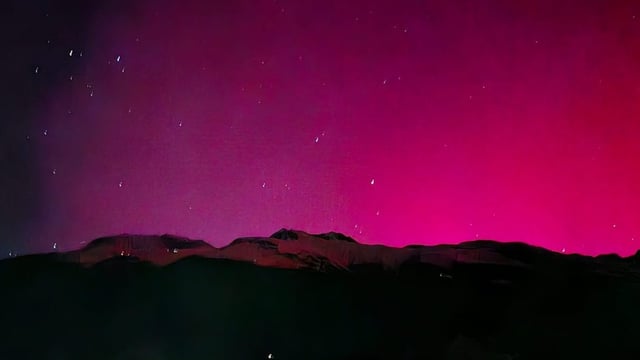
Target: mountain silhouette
x=296, y=295
x=296, y=249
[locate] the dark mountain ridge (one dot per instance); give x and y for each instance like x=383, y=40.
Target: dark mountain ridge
x=295, y=249
x=296, y=295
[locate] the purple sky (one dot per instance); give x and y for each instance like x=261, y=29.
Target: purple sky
x=394, y=122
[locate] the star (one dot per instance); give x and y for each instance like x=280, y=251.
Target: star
x=392, y=131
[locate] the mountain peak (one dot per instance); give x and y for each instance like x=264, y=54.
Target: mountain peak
x=285, y=234
x=156, y=249
x=336, y=236
x=291, y=234
x=134, y=241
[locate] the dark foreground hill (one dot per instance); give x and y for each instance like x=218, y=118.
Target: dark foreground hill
x=526, y=304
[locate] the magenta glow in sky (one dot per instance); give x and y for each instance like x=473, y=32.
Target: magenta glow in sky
x=395, y=122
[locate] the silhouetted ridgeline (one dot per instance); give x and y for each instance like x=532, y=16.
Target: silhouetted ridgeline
x=527, y=304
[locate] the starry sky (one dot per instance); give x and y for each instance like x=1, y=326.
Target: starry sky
x=395, y=122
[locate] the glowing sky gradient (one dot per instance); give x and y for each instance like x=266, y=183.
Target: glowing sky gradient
x=394, y=122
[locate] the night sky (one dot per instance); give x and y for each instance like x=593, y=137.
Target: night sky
x=395, y=122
